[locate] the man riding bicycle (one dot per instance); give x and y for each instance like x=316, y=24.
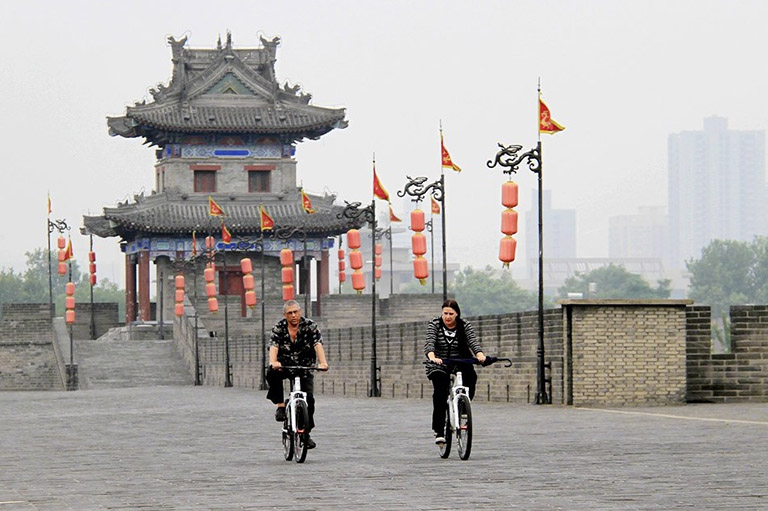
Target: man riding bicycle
x=296, y=341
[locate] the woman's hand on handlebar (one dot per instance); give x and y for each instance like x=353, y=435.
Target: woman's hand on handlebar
x=480, y=356
x=437, y=360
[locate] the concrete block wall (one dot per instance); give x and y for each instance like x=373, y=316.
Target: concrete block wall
x=627, y=352
x=738, y=376
x=27, y=358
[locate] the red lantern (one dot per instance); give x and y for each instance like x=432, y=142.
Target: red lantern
x=248, y=282
x=213, y=305
x=92, y=256
x=70, y=289
x=210, y=242
x=179, y=309
x=377, y=249
x=377, y=261
x=421, y=269
x=507, y=250
x=287, y=275
x=179, y=281
x=288, y=292
x=419, y=244
x=62, y=256
x=341, y=254
x=377, y=273
x=246, y=266
x=179, y=296
x=509, y=221
x=342, y=276
x=509, y=194
x=69, y=302
x=356, y=259
x=210, y=289
x=417, y=220
x=209, y=273
x=353, y=239
x=358, y=281
x=91, y=267
x=70, y=316
x=93, y=279
x=250, y=299
x=286, y=257
x=62, y=270
x=342, y=266
x=61, y=242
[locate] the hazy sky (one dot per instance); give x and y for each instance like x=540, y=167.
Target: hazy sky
x=620, y=76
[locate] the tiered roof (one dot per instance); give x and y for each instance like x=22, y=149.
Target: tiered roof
x=225, y=90
x=172, y=213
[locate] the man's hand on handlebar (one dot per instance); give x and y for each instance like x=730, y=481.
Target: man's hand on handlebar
x=323, y=366
x=276, y=365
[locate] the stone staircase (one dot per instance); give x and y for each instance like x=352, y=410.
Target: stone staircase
x=130, y=357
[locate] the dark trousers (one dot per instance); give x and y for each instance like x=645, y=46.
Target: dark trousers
x=441, y=386
x=275, y=393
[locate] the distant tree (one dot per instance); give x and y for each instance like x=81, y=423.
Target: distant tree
x=730, y=273
x=613, y=281
x=491, y=292
x=32, y=285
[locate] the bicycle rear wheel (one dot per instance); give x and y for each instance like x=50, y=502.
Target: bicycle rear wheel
x=445, y=448
x=464, y=428
x=301, y=434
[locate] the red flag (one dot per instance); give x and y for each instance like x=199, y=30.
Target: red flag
x=435, y=206
x=546, y=123
x=447, y=162
x=306, y=204
x=194, y=244
x=267, y=223
x=378, y=190
x=49, y=204
x=392, y=216
x=226, y=237
x=213, y=208
x=68, y=253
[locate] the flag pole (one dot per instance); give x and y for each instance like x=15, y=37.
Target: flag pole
x=442, y=221
x=541, y=390
x=375, y=391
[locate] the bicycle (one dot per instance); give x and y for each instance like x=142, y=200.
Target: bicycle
x=458, y=418
x=296, y=421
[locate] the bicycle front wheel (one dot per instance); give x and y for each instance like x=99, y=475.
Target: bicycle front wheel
x=464, y=428
x=300, y=432
x=445, y=448
x=287, y=441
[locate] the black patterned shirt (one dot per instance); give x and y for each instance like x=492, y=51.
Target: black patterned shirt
x=300, y=352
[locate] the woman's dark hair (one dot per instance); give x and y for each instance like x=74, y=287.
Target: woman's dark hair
x=453, y=304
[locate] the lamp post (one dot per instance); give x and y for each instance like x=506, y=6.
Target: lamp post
x=181, y=264
x=60, y=226
x=509, y=158
x=353, y=213
x=416, y=188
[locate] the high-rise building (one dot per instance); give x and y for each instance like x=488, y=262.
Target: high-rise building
x=717, y=187
x=559, y=232
x=640, y=235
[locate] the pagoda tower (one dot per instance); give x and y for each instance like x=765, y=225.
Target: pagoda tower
x=225, y=129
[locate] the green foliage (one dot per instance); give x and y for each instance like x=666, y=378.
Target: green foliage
x=730, y=273
x=491, y=292
x=32, y=285
x=613, y=282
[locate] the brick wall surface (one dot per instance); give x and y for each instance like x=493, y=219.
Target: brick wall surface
x=628, y=353
x=738, y=376
x=27, y=359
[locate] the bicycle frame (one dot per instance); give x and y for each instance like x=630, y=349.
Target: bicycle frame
x=457, y=389
x=296, y=395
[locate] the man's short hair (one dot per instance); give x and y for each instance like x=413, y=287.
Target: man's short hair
x=290, y=303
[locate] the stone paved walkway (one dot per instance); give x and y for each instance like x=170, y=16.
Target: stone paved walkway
x=204, y=448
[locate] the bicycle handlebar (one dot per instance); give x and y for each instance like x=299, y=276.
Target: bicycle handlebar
x=303, y=368
x=488, y=361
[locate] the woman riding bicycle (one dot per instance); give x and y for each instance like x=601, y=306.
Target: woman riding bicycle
x=449, y=336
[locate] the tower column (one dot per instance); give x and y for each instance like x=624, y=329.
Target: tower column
x=144, y=309
x=130, y=288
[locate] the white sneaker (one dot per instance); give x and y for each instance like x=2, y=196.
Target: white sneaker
x=439, y=439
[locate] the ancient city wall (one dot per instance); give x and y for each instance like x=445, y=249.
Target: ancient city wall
x=27, y=357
